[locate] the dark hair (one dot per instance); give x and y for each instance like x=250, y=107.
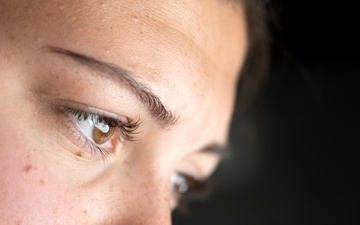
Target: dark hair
x=254, y=71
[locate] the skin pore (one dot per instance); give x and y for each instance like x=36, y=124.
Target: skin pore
x=126, y=60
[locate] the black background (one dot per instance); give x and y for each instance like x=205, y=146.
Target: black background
x=294, y=157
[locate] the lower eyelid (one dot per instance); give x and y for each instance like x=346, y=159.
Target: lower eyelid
x=78, y=139
x=83, y=146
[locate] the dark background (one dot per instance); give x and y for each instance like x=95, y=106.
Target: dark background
x=294, y=158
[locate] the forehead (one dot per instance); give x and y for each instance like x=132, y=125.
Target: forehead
x=188, y=52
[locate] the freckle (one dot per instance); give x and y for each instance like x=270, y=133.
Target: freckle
x=80, y=154
x=39, y=39
x=18, y=222
x=29, y=9
x=166, y=199
x=27, y=168
x=42, y=182
x=12, y=38
x=135, y=18
x=85, y=212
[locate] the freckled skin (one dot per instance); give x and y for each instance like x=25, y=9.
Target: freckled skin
x=27, y=168
x=187, y=52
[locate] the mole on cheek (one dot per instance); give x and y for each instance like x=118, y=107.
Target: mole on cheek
x=80, y=154
x=27, y=168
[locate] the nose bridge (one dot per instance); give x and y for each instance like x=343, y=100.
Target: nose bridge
x=154, y=207
x=144, y=199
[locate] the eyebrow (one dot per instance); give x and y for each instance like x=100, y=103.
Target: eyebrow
x=157, y=110
x=223, y=151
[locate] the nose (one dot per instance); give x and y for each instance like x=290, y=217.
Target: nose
x=143, y=199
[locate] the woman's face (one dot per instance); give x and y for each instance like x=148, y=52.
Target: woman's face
x=107, y=105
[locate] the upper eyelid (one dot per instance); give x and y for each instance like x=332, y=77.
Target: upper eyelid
x=86, y=114
x=69, y=104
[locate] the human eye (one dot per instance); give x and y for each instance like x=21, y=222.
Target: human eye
x=186, y=188
x=94, y=132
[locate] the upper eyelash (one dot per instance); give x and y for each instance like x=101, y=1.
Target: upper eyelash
x=127, y=129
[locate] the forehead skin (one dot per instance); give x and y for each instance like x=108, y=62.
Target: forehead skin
x=188, y=52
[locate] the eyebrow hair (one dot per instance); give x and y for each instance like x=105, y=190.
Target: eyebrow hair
x=223, y=151
x=162, y=115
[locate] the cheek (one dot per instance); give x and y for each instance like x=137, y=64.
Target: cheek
x=28, y=192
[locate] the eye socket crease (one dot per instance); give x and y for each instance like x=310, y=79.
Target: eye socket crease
x=160, y=113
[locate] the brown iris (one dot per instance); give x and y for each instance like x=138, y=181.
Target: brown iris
x=101, y=137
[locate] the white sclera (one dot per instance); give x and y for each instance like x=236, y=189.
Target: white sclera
x=86, y=126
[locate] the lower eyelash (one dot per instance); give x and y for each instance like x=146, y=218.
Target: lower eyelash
x=84, y=143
